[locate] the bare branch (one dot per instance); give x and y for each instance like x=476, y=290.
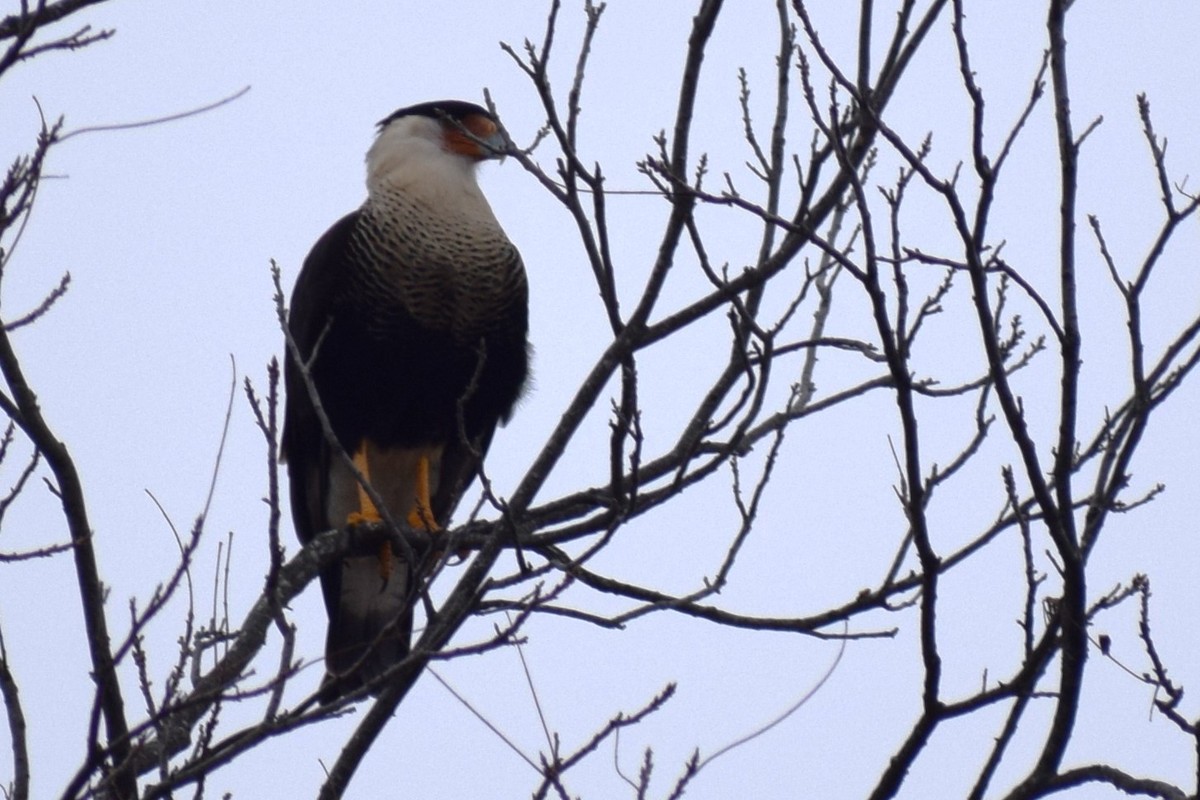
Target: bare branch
x=16, y=727
x=146, y=123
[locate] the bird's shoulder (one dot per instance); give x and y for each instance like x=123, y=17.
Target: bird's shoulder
x=318, y=283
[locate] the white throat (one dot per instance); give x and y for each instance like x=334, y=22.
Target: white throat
x=409, y=157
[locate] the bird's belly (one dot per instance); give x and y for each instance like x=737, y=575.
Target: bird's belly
x=411, y=386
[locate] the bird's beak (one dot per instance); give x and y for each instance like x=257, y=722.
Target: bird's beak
x=496, y=145
x=485, y=141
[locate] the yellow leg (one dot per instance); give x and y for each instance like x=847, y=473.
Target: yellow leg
x=367, y=512
x=421, y=515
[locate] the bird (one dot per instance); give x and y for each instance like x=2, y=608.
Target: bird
x=409, y=319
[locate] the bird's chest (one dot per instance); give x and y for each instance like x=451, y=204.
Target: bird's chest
x=441, y=270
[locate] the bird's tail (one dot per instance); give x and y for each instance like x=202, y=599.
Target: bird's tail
x=373, y=625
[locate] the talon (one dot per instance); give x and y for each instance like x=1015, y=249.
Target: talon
x=386, y=564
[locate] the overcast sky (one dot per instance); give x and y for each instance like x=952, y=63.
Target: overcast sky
x=168, y=231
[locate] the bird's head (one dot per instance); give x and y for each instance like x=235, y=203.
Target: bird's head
x=451, y=135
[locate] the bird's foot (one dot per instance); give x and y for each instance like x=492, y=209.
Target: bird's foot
x=421, y=519
x=368, y=516
x=362, y=517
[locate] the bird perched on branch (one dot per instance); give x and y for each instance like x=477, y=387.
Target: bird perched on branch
x=411, y=317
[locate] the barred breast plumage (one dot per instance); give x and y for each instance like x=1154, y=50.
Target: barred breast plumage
x=451, y=270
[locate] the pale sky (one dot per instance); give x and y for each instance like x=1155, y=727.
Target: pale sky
x=168, y=231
